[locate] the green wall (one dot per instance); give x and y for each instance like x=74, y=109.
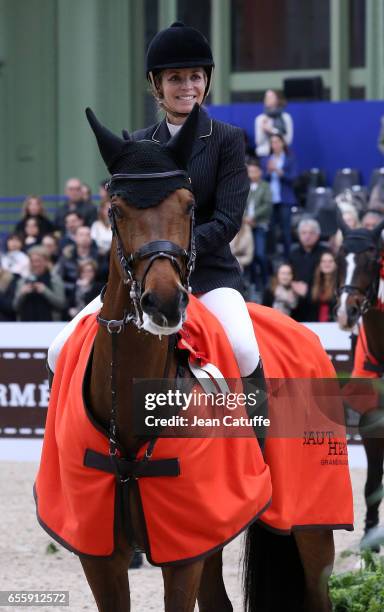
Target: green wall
x=60, y=56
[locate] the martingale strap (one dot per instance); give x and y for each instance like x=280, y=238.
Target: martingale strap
x=129, y=469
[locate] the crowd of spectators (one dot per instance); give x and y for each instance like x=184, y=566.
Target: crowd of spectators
x=295, y=247
x=51, y=268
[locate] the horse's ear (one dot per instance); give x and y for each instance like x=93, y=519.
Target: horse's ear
x=125, y=134
x=377, y=230
x=341, y=224
x=181, y=144
x=110, y=145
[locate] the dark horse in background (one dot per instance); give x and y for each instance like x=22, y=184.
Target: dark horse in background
x=152, y=256
x=360, y=309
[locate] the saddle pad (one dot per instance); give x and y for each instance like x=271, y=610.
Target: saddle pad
x=223, y=484
x=310, y=475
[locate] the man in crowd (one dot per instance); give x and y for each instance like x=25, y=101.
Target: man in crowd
x=84, y=248
x=73, y=220
x=75, y=202
x=304, y=259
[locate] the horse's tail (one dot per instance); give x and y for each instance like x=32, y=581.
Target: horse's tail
x=273, y=576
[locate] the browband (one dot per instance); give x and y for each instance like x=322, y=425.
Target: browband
x=150, y=175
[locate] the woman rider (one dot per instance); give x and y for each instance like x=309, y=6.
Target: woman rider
x=179, y=70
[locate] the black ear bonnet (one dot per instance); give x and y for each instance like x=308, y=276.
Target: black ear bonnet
x=145, y=172
x=359, y=240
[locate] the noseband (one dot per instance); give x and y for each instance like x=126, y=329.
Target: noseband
x=157, y=249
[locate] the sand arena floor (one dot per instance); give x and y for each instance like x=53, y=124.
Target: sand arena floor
x=24, y=563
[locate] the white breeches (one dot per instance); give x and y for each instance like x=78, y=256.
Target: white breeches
x=226, y=304
x=230, y=309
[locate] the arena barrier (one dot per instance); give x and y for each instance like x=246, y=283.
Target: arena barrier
x=24, y=392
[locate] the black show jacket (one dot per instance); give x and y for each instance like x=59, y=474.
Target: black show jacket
x=220, y=185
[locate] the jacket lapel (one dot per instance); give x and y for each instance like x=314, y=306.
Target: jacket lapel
x=161, y=133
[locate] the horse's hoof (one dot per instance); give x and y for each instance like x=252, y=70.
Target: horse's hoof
x=137, y=561
x=372, y=539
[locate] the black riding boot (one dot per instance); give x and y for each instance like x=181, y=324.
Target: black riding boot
x=255, y=387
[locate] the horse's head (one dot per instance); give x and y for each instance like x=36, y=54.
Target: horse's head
x=358, y=274
x=152, y=221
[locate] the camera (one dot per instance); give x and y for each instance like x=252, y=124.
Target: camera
x=31, y=279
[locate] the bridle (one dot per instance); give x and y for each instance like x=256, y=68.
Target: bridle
x=369, y=295
x=157, y=249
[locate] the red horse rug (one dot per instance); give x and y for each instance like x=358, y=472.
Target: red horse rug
x=198, y=493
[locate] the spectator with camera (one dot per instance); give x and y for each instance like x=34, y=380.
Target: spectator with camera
x=40, y=296
x=274, y=120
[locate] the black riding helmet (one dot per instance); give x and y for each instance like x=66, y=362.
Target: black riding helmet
x=179, y=46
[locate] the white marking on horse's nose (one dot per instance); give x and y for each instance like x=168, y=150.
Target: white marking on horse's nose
x=342, y=315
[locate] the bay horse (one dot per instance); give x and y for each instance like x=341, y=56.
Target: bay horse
x=360, y=309
x=155, y=280
x=152, y=256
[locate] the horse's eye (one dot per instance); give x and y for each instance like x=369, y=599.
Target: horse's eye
x=190, y=208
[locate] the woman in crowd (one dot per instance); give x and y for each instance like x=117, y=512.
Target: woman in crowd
x=281, y=294
x=40, y=296
x=242, y=245
x=51, y=245
x=274, y=120
x=32, y=236
x=280, y=171
x=101, y=231
x=33, y=207
x=324, y=288
x=86, y=287
x=350, y=215
x=14, y=259
x=7, y=293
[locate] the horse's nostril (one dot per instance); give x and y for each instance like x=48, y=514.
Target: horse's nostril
x=353, y=312
x=149, y=302
x=184, y=299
